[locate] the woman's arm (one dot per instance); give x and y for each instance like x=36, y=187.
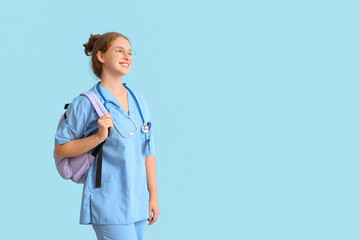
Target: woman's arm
x=150, y=164
x=77, y=146
x=82, y=145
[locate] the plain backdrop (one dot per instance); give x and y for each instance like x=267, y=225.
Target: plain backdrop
x=255, y=104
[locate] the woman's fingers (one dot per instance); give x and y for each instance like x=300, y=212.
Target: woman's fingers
x=106, y=119
x=106, y=116
x=150, y=217
x=106, y=123
x=153, y=219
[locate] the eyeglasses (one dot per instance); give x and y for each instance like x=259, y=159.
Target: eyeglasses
x=121, y=52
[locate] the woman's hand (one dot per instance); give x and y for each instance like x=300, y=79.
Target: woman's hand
x=153, y=208
x=104, y=123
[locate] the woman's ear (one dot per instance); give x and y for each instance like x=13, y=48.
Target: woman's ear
x=100, y=56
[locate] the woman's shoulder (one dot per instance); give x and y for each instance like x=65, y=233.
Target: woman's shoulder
x=81, y=106
x=80, y=102
x=138, y=93
x=141, y=99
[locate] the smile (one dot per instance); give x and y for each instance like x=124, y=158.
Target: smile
x=124, y=65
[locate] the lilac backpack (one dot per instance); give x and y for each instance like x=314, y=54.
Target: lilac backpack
x=76, y=168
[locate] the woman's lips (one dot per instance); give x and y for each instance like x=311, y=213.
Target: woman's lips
x=126, y=65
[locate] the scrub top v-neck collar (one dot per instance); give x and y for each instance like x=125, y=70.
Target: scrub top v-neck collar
x=110, y=97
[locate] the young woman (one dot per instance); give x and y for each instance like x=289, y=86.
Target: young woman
x=128, y=193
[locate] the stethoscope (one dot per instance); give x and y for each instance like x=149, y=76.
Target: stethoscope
x=145, y=128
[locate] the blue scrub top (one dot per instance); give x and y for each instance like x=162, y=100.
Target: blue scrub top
x=123, y=197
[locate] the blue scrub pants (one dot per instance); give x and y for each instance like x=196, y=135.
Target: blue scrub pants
x=133, y=231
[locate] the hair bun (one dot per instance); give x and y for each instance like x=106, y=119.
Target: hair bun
x=90, y=44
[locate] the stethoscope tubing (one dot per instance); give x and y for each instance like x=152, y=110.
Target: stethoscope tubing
x=137, y=103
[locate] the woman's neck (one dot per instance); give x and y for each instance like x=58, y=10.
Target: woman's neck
x=115, y=86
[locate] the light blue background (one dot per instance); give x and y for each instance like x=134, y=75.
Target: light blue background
x=256, y=107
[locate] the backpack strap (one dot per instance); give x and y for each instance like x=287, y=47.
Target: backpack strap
x=98, y=105
x=101, y=111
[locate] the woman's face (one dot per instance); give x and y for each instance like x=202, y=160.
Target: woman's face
x=115, y=58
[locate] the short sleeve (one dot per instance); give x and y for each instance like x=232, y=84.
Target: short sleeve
x=74, y=126
x=149, y=148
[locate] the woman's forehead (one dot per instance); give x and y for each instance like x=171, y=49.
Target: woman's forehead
x=121, y=42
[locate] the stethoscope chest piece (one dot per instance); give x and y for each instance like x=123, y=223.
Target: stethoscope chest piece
x=146, y=127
